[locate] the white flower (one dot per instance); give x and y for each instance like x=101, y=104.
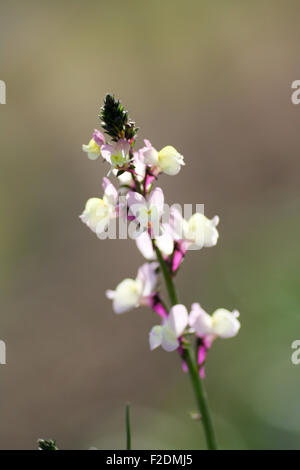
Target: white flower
x=131, y=293
x=117, y=153
x=167, y=160
x=164, y=242
x=167, y=334
x=139, y=169
x=92, y=149
x=198, y=231
x=147, y=211
x=222, y=322
x=98, y=212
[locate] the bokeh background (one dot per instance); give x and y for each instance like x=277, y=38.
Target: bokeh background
x=212, y=79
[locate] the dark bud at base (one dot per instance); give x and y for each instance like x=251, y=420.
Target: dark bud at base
x=45, y=444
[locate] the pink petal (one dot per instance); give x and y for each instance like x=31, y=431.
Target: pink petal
x=135, y=202
x=202, y=351
x=98, y=137
x=110, y=191
x=157, y=306
x=149, y=180
x=184, y=366
x=177, y=258
x=106, y=151
x=156, y=199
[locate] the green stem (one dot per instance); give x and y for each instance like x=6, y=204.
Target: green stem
x=167, y=276
x=128, y=431
x=201, y=400
x=191, y=363
x=137, y=184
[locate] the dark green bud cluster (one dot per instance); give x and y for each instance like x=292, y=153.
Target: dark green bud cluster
x=115, y=120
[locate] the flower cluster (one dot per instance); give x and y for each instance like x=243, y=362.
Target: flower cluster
x=163, y=244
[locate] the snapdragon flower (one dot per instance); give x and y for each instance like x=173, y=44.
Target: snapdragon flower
x=197, y=232
x=222, y=323
x=117, y=154
x=139, y=171
x=167, y=334
x=147, y=212
x=132, y=293
x=98, y=212
x=167, y=160
x=93, y=147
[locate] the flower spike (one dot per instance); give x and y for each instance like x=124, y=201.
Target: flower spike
x=163, y=242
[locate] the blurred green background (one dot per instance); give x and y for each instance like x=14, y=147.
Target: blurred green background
x=212, y=79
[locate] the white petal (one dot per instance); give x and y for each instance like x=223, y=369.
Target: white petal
x=127, y=295
x=236, y=313
x=110, y=192
x=225, y=323
x=177, y=223
x=95, y=210
x=92, y=156
x=140, y=167
x=110, y=294
x=92, y=149
x=196, y=310
x=125, y=178
x=150, y=156
x=178, y=319
x=165, y=243
x=200, y=320
x=156, y=200
x=102, y=225
x=215, y=220
x=148, y=278
x=195, y=229
x=170, y=160
x=106, y=151
x=211, y=234
x=155, y=337
x=169, y=340
x=144, y=244
x=172, y=169
x=136, y=203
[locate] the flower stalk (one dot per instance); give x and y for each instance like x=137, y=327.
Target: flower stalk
x=196, y=380
x=201, y=399
x=167, y=276
x=128, y=429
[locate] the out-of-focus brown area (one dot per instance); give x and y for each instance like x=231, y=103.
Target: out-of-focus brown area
x=212, y=79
